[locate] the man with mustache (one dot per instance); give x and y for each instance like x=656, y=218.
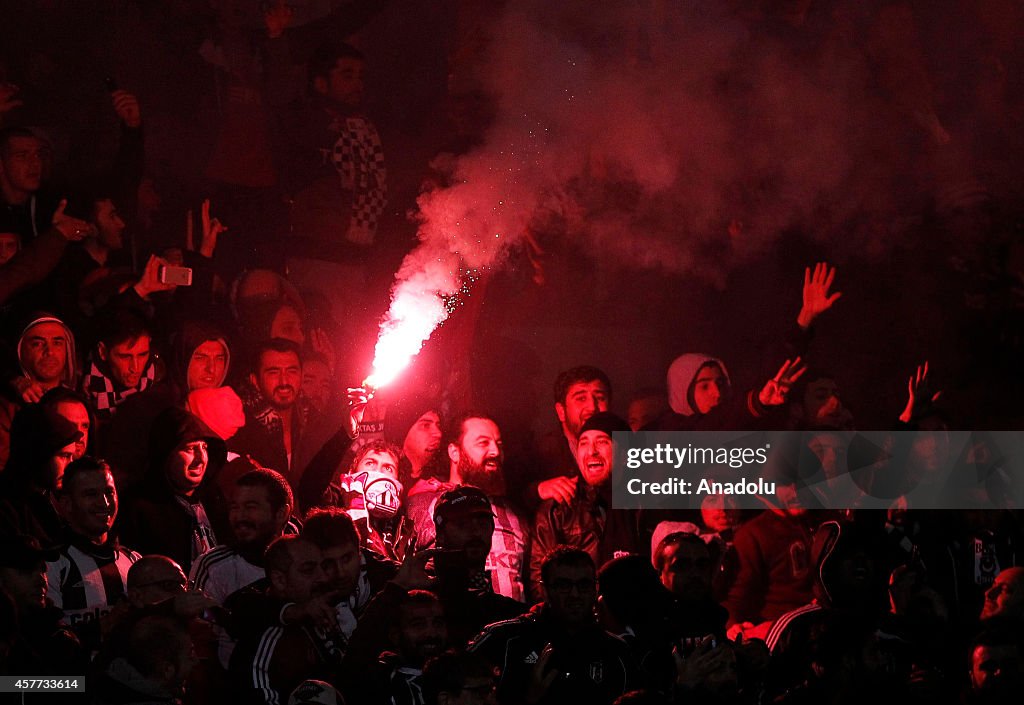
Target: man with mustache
x=476, y=457
x=398, y=633
x=167, y=513
x=258, y=511
x=579, y=393
x=282, y=429
x=588, y=521
x=90, y=575
x=46, y=355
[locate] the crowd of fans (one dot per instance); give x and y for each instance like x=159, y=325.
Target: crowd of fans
x=191, y=511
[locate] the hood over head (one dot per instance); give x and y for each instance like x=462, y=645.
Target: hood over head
x=37, y=433
x=192, y=334
x=832, y=543
x=681, y=375
x=173, y=427
x=68, y=378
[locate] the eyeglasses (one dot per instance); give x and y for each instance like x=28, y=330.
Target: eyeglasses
x=564, y=586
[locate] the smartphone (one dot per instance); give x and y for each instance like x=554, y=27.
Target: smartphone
x=179, y=276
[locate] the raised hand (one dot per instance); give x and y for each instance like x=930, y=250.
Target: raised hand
x=358, y=398
x=319, y=610
x=126, y=105
x=919, y=394
x=149, y=282
x=212, y=228
x=776, y=389
x=71, y=228
x=816, y=299
x=693, y=669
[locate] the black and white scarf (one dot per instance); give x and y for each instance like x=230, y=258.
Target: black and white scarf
x=103, y=393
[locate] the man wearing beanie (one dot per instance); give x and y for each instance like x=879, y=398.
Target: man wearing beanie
x=42, y=445
x=587, y=521
x=413, y=423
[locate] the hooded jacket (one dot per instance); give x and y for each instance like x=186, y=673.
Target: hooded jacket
x=9, y=404
x=68, y=378
x=154, y=517
x=194, y=333
x=791, y=636
x=26, y=507
x=118, y=438
x=682, y=373
x=734, y=412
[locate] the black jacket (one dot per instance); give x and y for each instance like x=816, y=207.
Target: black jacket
x=153, y=518
x=588, y=523
x=594, y=666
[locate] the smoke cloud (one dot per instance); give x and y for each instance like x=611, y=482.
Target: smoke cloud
x=686, y=136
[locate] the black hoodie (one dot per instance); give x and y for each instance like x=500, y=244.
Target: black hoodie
x=26, y=507
x=154, y=518
x=138, y=412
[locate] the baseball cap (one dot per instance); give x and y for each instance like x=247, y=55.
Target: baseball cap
x=463, y=499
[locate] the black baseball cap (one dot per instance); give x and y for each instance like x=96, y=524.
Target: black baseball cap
x=464, y=499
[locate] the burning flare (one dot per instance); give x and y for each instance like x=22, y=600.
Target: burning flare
x=426, y=293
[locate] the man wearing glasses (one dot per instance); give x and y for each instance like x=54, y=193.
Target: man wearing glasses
x=559, y=653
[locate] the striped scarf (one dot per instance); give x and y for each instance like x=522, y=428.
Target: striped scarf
x=103, y=393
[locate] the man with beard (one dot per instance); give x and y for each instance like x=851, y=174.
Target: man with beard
x=476, y=458
x=588, y=521
x=465, y=525
x=579, y=392
x=282, y=429
x=399, y=631
x=413, y=423
x=258, y=512
x=90, y=575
